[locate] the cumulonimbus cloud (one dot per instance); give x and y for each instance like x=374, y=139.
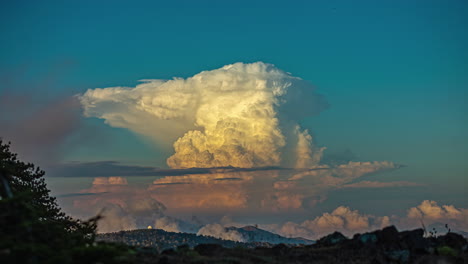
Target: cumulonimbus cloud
x=241, y=115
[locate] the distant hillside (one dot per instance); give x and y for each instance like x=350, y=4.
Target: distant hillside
x=161, y=239
x=381, y=246
x=254, y=234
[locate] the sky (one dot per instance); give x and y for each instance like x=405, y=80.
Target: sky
x=380, y=81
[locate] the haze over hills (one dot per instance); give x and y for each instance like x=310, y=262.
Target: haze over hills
x=254, y=234
x=160, y=239
x=387, y=245
x=247, y=236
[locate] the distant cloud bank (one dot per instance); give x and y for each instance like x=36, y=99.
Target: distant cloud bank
x=349, y=222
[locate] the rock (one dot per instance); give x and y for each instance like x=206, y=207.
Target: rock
x=430, y=250
x=413, y=240
x=183, y=247
x=398, y=255
x=447, y=251
x=388, y=235
x=452, y=240
x=368, y=238
x=433, y=259
x=208, y=249
x=164, y=260
x=280, y=249
x=332, y=239
x=170, y=252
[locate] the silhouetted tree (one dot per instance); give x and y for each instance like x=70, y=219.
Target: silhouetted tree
x=33, y=229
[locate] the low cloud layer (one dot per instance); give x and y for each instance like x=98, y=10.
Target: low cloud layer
x=172, y=224
x=343, y=219
x=122, y=207
x=254, y=192
x=431, y=213
x=219, y=231
x=205, y=192
x=241, y=115
x=212, y=196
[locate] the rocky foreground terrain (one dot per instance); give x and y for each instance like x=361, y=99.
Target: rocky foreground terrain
x=381, y=246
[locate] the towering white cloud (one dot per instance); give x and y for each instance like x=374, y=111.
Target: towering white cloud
x=307, y=155
x=241, y=115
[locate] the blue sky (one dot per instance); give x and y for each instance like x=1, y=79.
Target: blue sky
x=394, y=72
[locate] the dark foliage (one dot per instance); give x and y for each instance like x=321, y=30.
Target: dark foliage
x=33, y=229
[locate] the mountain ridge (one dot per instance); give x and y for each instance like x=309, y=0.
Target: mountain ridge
x=162, y=240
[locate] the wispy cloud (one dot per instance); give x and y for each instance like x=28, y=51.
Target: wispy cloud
x=114, y=168
x=377, y=184
x=256, y=190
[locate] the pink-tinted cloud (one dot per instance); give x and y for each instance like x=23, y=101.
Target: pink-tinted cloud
x=203, y=191
x=430, y=212
x=268, y=192
x=110, y=181
x=123, y=207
